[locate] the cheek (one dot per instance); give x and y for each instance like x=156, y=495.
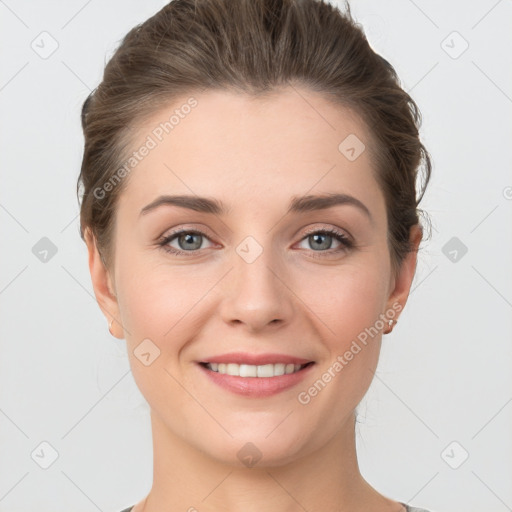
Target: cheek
x=349, y=305
x=157, y=305
x=157, y=300
x=160, y=302
x=348, y=302
x=346, y=299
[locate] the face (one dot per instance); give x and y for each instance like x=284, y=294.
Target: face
x=264, y=274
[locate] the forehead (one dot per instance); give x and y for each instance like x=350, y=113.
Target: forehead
x=259, y=149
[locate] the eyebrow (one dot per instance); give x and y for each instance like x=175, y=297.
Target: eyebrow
x=298, y=204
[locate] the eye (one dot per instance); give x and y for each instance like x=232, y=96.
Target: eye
x=320, y=240
x=188, y=241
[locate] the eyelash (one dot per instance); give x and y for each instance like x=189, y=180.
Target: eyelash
x=345, y=242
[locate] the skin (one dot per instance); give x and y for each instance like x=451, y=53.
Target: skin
x=253, y=155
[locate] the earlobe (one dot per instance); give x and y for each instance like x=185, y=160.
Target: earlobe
x=102, y=285
x=405, y=275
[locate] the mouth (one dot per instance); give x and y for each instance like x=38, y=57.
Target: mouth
x=256, y=381
x=255, y=371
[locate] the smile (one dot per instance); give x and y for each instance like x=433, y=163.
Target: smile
x=249, y=370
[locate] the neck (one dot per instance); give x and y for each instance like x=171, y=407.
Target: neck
x=327, y=478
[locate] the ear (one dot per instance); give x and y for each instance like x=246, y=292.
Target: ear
x=400, y=285
x=103, y=286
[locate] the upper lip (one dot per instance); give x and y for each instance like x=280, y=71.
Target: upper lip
x=255, y=359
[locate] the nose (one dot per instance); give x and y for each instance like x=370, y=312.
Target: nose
x=256, y=293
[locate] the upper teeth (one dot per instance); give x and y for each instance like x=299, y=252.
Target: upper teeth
x=249, y=370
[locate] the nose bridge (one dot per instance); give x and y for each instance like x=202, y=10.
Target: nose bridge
x=255, y=294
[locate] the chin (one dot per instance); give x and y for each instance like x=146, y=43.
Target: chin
x=256, y=450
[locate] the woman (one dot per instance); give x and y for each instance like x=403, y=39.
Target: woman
x=251, y=215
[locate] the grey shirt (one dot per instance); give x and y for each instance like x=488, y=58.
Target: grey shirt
x=407, y=508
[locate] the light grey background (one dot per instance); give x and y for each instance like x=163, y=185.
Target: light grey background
x=443, y=386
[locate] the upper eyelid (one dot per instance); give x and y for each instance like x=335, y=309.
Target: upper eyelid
x=341, y=231
x=205, y=231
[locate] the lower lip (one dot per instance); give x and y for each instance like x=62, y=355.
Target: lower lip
x=256, y=386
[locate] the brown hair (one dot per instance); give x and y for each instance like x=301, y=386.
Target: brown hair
x=254, y=47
